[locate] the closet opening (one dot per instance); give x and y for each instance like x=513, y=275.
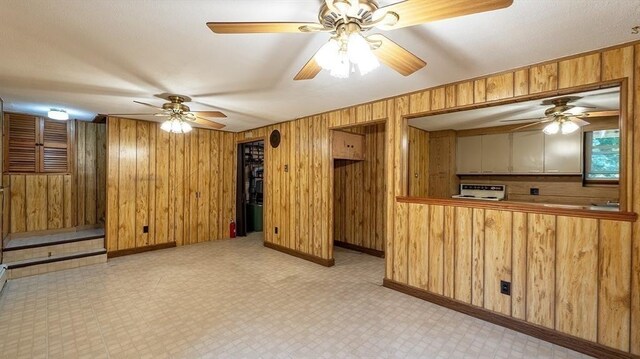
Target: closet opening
x=359, y=188
x=250, y=188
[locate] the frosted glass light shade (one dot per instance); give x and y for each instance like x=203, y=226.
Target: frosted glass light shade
x=552, y=128
x=569, y=127
x=176, y=125
x=58, y=114
x=327, y=56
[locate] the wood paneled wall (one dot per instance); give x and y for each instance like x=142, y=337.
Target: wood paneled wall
x=181, y=186
x=569, y=274
x=90, y=173
x=310, y=193
x=38, y=202
x=419, y=156
x=358, y=194
x=443, y=182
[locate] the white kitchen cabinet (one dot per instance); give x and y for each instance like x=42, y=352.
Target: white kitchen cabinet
x=469, y=155
x=527, y=152
x=563, y=153
x=496, y=153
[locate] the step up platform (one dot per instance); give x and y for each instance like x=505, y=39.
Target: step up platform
x=53, y=252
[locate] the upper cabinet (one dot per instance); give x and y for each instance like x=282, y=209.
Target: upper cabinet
x=496, y=153
x=563, y=153
x=469, y=155
x=347, y=145
x=36, y=145
x=528, y=152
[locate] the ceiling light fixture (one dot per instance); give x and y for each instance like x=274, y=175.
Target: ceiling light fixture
x=344, y=52
x=176, y=125
x=562, y=125
x=56, y=114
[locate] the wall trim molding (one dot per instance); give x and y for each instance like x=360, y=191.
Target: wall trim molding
x=355, y=247
x=126, y=252
x=305, y=256
x=546, y=334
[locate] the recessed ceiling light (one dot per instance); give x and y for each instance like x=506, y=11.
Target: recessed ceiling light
x=55, y=114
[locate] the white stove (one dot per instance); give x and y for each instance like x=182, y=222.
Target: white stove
x=493, y=192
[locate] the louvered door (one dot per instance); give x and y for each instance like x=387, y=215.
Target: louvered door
x=54, y=146
x=36, y=145
x=22, y=144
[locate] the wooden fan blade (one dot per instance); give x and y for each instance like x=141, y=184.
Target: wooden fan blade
x=136, y=114
x=215, y=114
x=578, y=121
x=203, y=122
x=148, y=104
x=525, y=119
x=415, y=12
x=310, y=70
x=531, y=124
x=396, y=56
x=260, y=27
x=610, y=113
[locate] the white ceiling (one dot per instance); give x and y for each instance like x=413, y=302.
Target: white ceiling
x=96, y=56
x=604, y=99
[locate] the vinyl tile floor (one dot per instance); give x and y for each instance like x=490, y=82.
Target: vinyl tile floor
x=238, y=299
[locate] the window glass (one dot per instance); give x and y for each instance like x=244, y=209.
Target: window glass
x=603, y=155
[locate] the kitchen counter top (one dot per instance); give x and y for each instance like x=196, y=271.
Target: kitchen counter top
x=597, y=212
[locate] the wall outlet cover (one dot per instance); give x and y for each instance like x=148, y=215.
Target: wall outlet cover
x=534, y=191
x=505, y=287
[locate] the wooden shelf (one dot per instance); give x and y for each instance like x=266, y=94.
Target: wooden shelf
x=559, y=210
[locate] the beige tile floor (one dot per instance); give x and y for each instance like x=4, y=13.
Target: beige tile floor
x=235, y=298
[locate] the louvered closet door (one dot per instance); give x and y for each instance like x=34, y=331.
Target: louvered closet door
x=22, y=145
x=53, y=152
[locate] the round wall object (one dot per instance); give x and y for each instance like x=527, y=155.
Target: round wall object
x=274, y=139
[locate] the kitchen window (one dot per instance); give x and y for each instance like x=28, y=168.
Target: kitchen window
x=602, y=156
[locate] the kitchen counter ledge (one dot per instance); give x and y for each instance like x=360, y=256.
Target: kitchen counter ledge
x=543, y=208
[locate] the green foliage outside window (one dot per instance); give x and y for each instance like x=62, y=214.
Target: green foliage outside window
x=604, y=151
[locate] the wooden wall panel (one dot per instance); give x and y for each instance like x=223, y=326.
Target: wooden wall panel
x=356, y=200
x=579, y=71
x=418, y=240
x=519, y=266
x=541, y=249
x=500, y=86
x=463, y=254
x=418, y=162
x=157, y=176
x=89, y=174
x=477, y=258
x=577, y=277
x=543, y=78
x=436, y=250
x=497, y=258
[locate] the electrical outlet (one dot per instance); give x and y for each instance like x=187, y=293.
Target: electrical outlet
x=286, y=168
x=276, y=230
x=145, y=229
x=534, y=191
x=505, y=287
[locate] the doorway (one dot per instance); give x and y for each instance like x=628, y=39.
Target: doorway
x=359, y=188
x=250, y=188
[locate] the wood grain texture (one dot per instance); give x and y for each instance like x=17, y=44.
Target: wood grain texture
x=576, y=280
x=500, y=87
x=463, y=254
x=157, y=177
x=477, y=258
x=436, y=249
x=614, y=292
x=543, y=78
x=519, y=266
x=497, y=257
x=541, y=249
x=579, y=71
x=418, y=240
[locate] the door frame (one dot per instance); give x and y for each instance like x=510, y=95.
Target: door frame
x=240, y=209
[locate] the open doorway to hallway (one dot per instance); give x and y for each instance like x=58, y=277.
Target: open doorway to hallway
x=359, y=188
x=250, y=188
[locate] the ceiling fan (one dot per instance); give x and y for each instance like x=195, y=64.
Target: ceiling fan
x=347, y=20
x=563, y=117
x=180, y=116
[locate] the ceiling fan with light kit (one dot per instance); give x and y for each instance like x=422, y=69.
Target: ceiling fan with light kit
x=180, y=117
x=348, y=20
x=564, y=118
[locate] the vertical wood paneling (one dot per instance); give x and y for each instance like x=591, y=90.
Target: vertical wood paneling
x=477, y=269
x=91, y=185
x=18, y=199
x=576, y=279
x=81, y=165
x=449, y=251
x=113, y=169
x=579, y=71
x=541, y=257
x=55, y=205
x=543, y=78
x=614, y=289
x=401, y=246
x=464, y=93
x=438, y=98
x=463, y=254
x=634, y=172
x=480, y=91
x=142, y=183
x=500, y=86
x=418, y=256
x=36, y=193
x=436, y=249
x=126, y=178
x=519, y=266
x=420, y=102
x=497, y=257
x=521, y=82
